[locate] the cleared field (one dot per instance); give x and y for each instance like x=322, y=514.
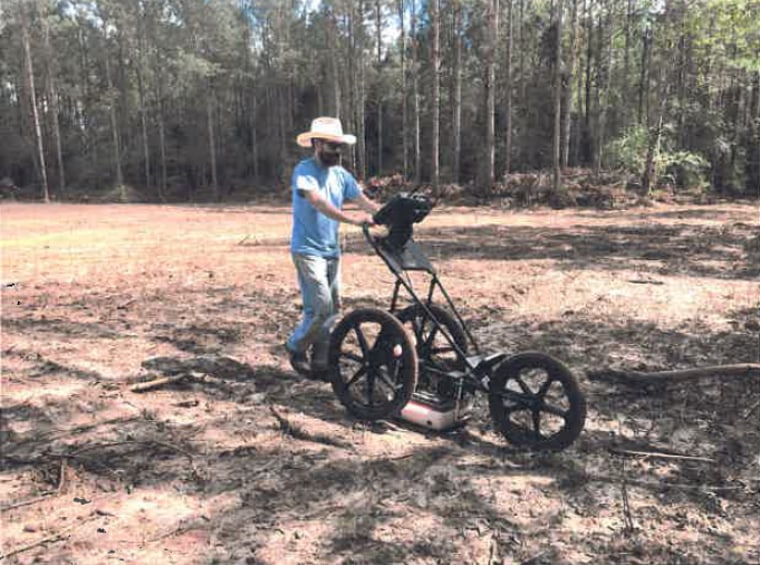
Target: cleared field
x=98, y=297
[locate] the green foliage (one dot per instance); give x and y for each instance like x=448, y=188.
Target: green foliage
x=684, y=168
x=681, y=168
x=628, y=152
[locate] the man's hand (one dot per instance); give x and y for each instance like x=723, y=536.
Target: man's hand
x=363, y=220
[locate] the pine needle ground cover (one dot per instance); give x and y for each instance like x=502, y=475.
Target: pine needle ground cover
x=235, y=459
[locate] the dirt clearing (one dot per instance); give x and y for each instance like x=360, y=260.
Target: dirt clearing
x=250, y=464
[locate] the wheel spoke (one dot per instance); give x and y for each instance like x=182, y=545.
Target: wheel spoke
x=356, y=376
x=556, y=410
x=525, y=388
x=431, y=338
x=370, y=387
x=523, y=400
x=544, y=388
x=362, y=341
x=352, y=357
x=537, y=424
x=390, y=384
x=417, y=328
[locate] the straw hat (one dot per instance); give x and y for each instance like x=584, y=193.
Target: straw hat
x=325, y=128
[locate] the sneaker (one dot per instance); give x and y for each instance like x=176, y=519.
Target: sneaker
x=299, y=361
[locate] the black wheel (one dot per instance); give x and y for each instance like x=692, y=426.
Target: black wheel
x=536, y=403
x=373, y=365
x=434, y=351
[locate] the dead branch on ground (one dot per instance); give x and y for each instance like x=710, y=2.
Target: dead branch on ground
x=640, y=378
x=299, y=433
x=163, y=381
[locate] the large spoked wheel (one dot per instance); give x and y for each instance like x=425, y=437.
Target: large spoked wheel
x=373, y=364
x=536, y=403
x=435, y=352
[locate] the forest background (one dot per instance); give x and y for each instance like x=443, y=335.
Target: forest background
x=193, y=100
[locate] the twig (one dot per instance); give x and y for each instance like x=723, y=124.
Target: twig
x=29, y=501
x=638, y=378
x=59, y=536
x=665, y=485
x=627, y=515
x=61, y=475
x=298, y=433
x=163, y=444
x=751, y=409
x=535, y=558
x=155, y=383
x=659, y=454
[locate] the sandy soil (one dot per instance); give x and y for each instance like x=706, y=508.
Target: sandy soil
x=252, y=464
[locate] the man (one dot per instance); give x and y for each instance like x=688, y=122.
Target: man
x=320, y=187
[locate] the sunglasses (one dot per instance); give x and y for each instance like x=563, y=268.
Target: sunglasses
x=332, y=145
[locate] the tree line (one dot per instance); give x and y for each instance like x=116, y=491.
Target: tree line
x=202, y=99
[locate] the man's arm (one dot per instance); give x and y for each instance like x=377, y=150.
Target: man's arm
x=323, y=206
x=366, y=204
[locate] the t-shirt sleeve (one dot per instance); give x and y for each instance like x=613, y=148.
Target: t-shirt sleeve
x=351, y=189
x=302, y=180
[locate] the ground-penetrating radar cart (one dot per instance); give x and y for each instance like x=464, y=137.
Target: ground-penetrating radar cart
x=422, y=363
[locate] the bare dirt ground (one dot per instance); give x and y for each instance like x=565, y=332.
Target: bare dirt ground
x=251, y=464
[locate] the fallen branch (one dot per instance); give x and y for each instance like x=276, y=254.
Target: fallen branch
x=638, y=378
x=29, y=501
x=59, y=536
x=44, y=495
x=659, y=455
x=156, y=383
x=192, y=376
x=299, y=433
x=665, y=485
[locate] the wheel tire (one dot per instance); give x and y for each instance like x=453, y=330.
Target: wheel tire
x=528, y=388
x=371, y=376
x=443, y=356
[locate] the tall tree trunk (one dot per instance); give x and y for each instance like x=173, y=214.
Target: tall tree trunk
x=655, y=127
x=522, y=50
x=404, y=105
x=379, y=88
x=52, y=95
x=90, y=150
x=361, y=91
x=33, y=102
x=752, y=168
x=210, y=103
x=587, y=134
x=558, y=100
x=144, y=127
x=142, y=97
x=160, y=111
x=115, y=134
x=457, y=94
x=508, y=109
x=254, y=135
x=646, y=43
x=490, y=164
x=333, y=65
x=627, y=62
x=605, y=86
x=568, y=86
x=435, y=150
x=416, y=96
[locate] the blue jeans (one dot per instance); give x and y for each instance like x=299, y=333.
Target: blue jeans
x=319, y=281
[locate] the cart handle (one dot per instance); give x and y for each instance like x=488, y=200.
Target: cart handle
x=366, y=227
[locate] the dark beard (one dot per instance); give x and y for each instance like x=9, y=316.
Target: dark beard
x=329, y=158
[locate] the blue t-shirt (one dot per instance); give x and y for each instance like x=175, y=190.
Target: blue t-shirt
x=313, y=232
